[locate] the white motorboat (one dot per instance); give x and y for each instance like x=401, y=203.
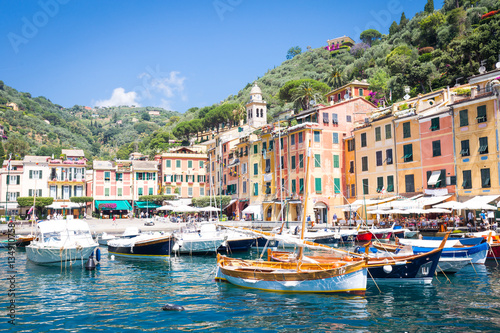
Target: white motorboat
x=61, y=241
x=129, y=232
x=199, y=239
x=104, y=238
x=155, y=245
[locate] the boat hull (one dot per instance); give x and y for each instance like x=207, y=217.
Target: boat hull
x=364, y=237
x=158, y=248
x=56, y=255
x=236, y=245
x=451, y=265
x=494, y=251
x=352, y=283
x=199, y=246
x=477, y=254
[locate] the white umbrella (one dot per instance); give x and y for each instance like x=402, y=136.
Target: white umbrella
x=437, y=210
x=450, y=205
x=379, y=211
x=166, y=207
x=416, y=210
x=184, y=209
x=397, y=211
x=209, y=209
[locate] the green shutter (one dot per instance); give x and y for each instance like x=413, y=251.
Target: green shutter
x=169, y=163
x=481, y=114
x=336, y=161
x=317, y=160
x=256, y=168
x=31, y=174
x=317, y=185
x=388, y=131
x=390, y=183
x=301, y=185
x=301, y=160
x=406, y=130
x=378, y=134
x=190, y=164
x=293, y=162
x=18, y=180
x=255, y=189
x=336, y=185
x=294, y=186
x=380, y=184
x=464, y=117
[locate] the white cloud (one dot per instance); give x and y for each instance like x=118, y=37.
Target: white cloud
x=168, y=85
x=119, y=97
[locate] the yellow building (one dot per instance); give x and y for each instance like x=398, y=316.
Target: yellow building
x=475, y=113
x=268, y=170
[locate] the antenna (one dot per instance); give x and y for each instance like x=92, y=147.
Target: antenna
x=497, y=65
x=458, y=79
x=482, y=69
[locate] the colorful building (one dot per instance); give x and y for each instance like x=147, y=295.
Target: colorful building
x=351, y=90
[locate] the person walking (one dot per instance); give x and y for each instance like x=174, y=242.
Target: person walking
x=334, y=219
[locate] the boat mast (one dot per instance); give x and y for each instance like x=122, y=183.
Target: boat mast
x=306, y=190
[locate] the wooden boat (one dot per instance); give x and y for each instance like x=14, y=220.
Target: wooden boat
x=144, y=246
x=364, y=236
x=23, y=241
x=419, y=268
x=300, y=276
x=494, y=251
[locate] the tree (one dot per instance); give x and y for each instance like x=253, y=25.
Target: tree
x=293, y=51
x=394, y=28
x=429, y=7
x=369, y=36
x=183, y=130
x=196, y=126
x=145, y=116
x=18, y=147
x=239, y=113
x=403, y=20
x=306, y=93
x=81, y=201
x=336, y=78
x=285, y=93
x=40, y=203
x=2, y=154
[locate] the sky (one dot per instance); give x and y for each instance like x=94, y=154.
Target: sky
x=165, y=53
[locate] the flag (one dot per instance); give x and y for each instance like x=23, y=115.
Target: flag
x=383, y=191
x=8, y=163
x=31, y=209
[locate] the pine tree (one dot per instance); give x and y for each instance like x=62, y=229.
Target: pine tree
x=403, y=20
x=2, y=154
x=393, y=28
x=429, y=6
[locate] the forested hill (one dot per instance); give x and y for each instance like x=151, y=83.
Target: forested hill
x=40, y=127
x=434, y=49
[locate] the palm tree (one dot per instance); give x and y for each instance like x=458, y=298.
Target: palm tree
x=335, y=79
x=239, y=113
x=306, y=93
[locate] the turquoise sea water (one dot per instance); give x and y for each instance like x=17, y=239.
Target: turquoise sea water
x=127, y=295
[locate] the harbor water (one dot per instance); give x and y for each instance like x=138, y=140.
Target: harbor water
x=125, y=295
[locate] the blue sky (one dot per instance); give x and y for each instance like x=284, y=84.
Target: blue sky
x=173, y=54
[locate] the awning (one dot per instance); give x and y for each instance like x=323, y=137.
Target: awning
x=9, y=205
x=481, y=202
x=368, y=202
x=120, y=204
x=230, y=203
x=63, y=205
x=253, y=209
x=295, y=201
x=320, y=205
x=433, y=179
x=146, y=204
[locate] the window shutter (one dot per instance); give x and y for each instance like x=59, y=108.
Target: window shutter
x=336, y=185
x=31, y=174
x=18, y=180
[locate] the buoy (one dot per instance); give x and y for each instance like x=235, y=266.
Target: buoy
x=90, y=265
x=112, y=257
x=98, y=255
x=172, y=307
x=387, y=269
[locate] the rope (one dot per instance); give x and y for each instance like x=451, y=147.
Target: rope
x=444, y=274
x=380, y=291
x=493, y=254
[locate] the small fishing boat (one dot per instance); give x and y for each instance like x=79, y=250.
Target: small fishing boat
x=24, y=240
x=145, y=246
x=104, y=238
x=204, y=238
x=61, y=241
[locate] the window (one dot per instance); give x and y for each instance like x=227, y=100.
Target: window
x=301, y=161
x=120, y=192
x=336, y=161
x=335, y=138
x=335, y=119
x=317, y=160
x=378, y=134
x=268, y=188
x=436, y=148
x=483, y=145
x=169, y=190
x=316, y=136
x=301, y=185
x=348, y=118
x=255, y=189
x=271, y=145
x=434, y=124
x=390, y=183
x=282, y=162
x=281, y=143
x=410, y=183
x=106, y=191
x=360, y=92
x=38, y=193
x=465, y=150
x=408, y=153
x=379, y=158
x=224, y=146
x=150, y=191
x=178, y=163
x=107, y=176
x=168, y=163
x=317, y=185
x=338, y=97
x=264, y=146
x=363, y=139
x=353, y=190
x=244, y=187
x=467, y=179
x=351, y=145
x=406, y=130
x=388, y=156
x=119, y=176
x=351, y=167
x=485, y=178
x=200, y=165
x=464, y=118
x=325, y=118
x=268, y=165
x=294, y=186
x=202, y=191
x=293, y=162
x=336, y=185
x=190, y=164
x=190, y=191
x=244, y=168
x=380, y=184
x=481, y=114
x=388, y=131
x=364, y=163
x=255, y=149
x=300, y=137
x=365, y=186
x=292, y=139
